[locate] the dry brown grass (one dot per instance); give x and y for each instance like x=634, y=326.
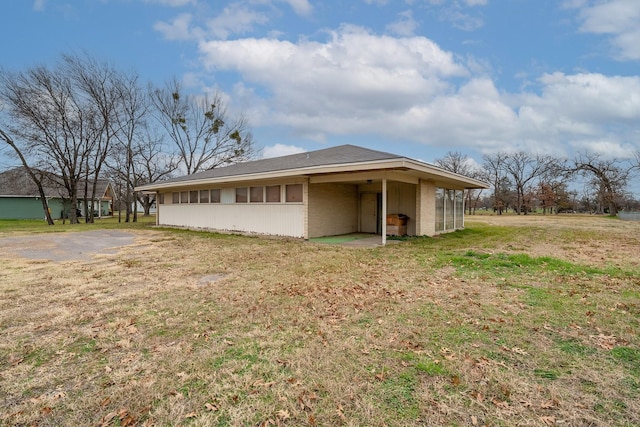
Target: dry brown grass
x=294, y=333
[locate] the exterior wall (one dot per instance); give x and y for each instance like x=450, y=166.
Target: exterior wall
x=426, y=209
x=272, y=219
x=333, y=209
x=401, y=199
x=269, y=218
x=27, y=208
x=327, y=208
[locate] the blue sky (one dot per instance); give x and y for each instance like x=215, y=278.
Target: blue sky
x=413, y=77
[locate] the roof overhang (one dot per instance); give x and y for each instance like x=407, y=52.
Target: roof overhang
x=412, y=167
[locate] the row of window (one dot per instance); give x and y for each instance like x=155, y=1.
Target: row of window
x=258, y=194
x=449, y=209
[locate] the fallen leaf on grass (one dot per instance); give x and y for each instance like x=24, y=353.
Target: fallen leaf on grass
x=16, y=362
x=283, y=414
x=550, y=404
x=549, y=421
x=455, y=380
x=500, y=403
x=447, y=353
x=478, y=396
x=607, y=342
x=123, y=415
x=260, y=383
x=191, y=415
x=211, y=407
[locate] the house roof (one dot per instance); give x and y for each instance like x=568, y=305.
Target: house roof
x=17, y=183
x=343, y=158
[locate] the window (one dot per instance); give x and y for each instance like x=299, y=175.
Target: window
x=184, y=197
x=273, y=194
x=215, y=195
x=228, y=195
x=439, y=209
x=449, y=210
x=175, y=198
x=193, y=196
x=204, y=196
x=241, y=195
x=294, y=193
x=459, y=221
x=161, y=198
x=256, y=194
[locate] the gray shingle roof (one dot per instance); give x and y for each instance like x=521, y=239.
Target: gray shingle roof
x=16, y=182
x=343, y=154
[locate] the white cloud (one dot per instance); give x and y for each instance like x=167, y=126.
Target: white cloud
x=235, y=19
x=461, y=20
x=592, y=97
x=608, y=148
x=178, y=29
x=358, y=83
x=355, y=82
x=278, y=150
x=39, y=5
x=301, y=7
x=405, y=25
x=618, y=18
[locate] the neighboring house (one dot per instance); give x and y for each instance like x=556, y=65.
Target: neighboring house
x=20, y=199
x=140, y=208
x=339, y=190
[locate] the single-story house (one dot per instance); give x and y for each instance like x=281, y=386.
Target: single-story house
x=339, y=190
x=20, y=198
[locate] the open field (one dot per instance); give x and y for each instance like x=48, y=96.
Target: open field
x=524, y=321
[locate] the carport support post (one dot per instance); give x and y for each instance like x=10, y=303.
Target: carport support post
x=384, y=211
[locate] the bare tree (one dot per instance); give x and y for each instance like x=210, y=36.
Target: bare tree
x=494, y=167
x=34, y=174
x=204, y=135
x=607, y=176
x=99, y=86
x=151, y=164
x=55, y=129
x=524, y=168
x=456, y=162
x=133, y=111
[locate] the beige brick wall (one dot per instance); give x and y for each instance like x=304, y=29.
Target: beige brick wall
x=333, y=209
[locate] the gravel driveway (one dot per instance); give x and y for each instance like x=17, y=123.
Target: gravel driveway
x=66, y=246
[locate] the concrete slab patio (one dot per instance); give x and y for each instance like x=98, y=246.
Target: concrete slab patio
x=67, y=246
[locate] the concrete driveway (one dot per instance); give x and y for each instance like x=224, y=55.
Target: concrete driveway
x=66, y=246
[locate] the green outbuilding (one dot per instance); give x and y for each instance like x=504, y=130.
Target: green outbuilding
x=20, y=199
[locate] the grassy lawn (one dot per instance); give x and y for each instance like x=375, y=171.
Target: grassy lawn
x=512, y=321
x=40, y=226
